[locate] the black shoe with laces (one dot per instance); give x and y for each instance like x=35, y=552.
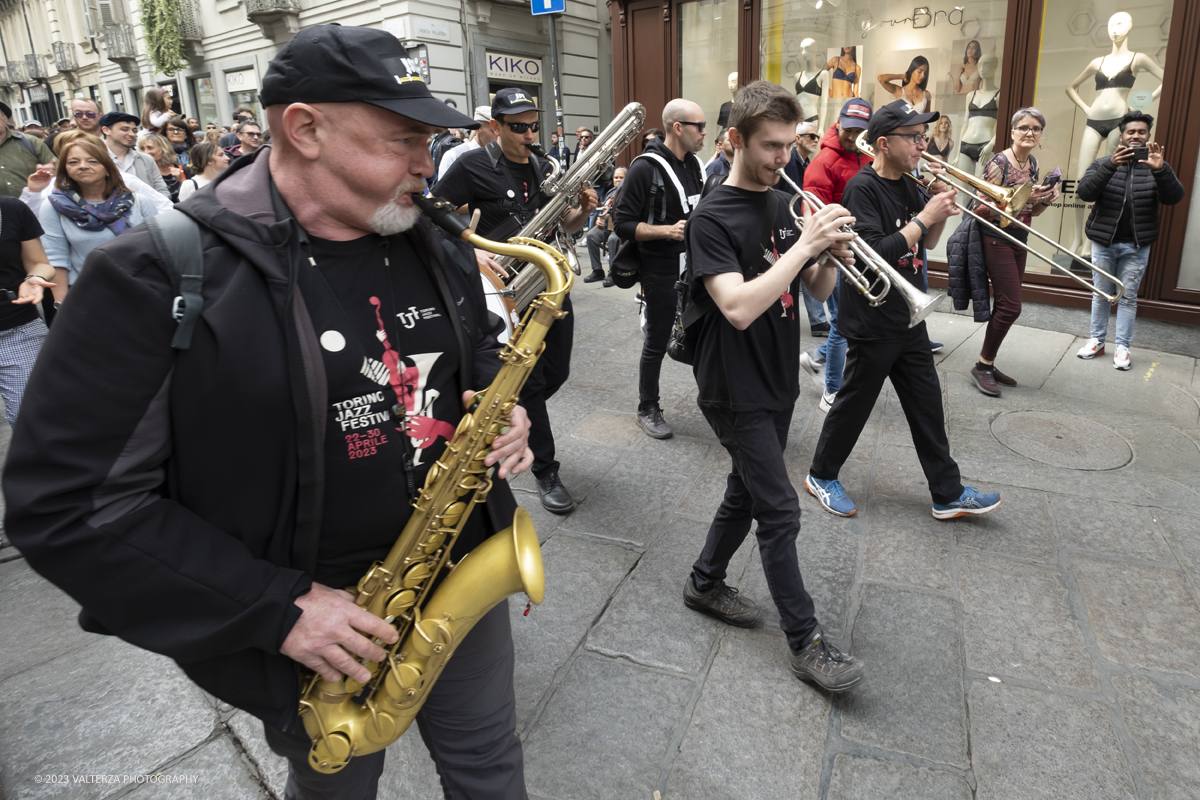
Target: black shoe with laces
x=821, y=663
x=594, y=275
x=722, y=602
x=555, y=497
x=651, y=421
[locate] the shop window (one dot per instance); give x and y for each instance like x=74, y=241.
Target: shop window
x=708, y=43
x=944, y=57
x=206, y=101
x=1189, y=265
x=1096, y=64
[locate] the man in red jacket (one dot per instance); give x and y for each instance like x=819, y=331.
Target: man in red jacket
x=826, y=177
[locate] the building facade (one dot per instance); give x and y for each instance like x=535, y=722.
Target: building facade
x=1081, y=62
x=471, y=47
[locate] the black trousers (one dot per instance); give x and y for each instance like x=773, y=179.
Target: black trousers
x=758, y=488
x=658, y=291
x=549, y=374
x=909, y=364
x=468, y=723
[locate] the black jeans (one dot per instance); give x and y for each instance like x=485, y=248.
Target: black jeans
x=658, y=292
x=758, y=488
x=468, y=723
x=909, y=364
x=549, y=374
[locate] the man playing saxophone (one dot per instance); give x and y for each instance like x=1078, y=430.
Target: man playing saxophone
x=503, y=181
x=209, y=503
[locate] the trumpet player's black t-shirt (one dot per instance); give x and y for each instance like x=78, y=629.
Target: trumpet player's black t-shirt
x=737, y=230
x=385, y=341
x=881, y=207
x=507, y=193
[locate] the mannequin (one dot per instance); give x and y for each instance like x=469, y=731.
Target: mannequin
x=845, y=74
x=911, y=85
x=1115, y=74
x=810, y=84
x=723, y=117
x=966, y=74
x=979, y=137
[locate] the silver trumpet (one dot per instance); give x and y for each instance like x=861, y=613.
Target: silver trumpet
x=920, y=304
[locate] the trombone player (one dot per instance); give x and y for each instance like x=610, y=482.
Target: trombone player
x=896, y=218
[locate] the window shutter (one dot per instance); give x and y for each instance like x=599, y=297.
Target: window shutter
x=91, y=14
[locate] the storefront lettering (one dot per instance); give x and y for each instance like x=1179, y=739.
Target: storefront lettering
x=514, y=68
x=922, y=17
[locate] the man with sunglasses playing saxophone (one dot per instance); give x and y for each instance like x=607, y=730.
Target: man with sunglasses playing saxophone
x=503, y=180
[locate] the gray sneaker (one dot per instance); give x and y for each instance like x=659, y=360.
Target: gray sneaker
x=812, y=363
x=651, y=421
x=722, y=602
x=823, y=664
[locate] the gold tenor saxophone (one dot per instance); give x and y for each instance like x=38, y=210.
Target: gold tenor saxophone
x=346, y=718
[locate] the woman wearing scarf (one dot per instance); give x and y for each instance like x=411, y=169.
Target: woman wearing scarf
x=181, y=138
x=89, y=206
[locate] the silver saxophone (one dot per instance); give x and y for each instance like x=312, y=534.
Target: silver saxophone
x=563, y=188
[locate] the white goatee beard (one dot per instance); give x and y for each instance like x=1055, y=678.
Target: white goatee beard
x=391, y=218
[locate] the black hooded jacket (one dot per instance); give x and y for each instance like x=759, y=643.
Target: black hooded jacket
x=177, y=496
x=640, y=197
x=1112, y=187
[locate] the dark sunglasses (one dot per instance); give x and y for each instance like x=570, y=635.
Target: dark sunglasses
x=82, y=114
x=255, y=135
x=697, y=125
x=812, y=136
x=521, y=127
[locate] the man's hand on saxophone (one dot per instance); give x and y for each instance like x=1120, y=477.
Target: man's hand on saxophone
x=514, y=443
x=332, y=631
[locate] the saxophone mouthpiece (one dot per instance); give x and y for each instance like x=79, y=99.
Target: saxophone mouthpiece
x=442, y=214
x=537, y=150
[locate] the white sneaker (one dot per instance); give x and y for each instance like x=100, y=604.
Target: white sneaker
x=810, y=362
x=1121, y=359
x=827, y=399
x=1093, y=348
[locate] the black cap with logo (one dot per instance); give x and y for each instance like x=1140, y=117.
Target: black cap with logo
x=897, y=114
x=113, y=117
x=512, y=101
x=344, y=64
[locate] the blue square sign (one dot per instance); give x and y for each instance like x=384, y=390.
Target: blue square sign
x=549, y=6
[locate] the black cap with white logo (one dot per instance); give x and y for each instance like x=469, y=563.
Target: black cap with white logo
x=512, y=101
x=343, y=64
x=896, y=114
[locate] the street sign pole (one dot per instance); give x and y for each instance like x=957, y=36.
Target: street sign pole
x=553, y=8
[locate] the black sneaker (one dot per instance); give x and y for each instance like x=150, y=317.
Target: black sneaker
x=555, y=497
x=651, y=421
x=594, y=275
x=823, y=664
x=722, y=602
x=608, y=282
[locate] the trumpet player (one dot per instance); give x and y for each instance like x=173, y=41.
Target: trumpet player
x=894, y=217
x=210, y=504
x=745, y=263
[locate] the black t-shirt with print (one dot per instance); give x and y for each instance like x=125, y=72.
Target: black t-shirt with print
x=758, y=368
x=881, y=207
x=17, y=224
x=385, y=340
x=509, y=192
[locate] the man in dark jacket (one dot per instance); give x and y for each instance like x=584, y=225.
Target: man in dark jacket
x=667, y=201
x=206, y=504
x=1123, y=224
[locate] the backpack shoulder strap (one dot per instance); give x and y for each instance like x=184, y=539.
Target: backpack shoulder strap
x=670, y=173
x=177, y=237
x=24, y=140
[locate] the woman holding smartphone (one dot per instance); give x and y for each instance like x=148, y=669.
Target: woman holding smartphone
x=1005, y=261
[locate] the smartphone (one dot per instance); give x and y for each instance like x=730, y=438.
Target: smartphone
x=1140, y=153
x=1053, y=178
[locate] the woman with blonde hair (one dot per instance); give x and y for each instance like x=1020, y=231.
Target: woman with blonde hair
x=942, y=141
x=90, y=204
x=157, y=147
x=156, y=109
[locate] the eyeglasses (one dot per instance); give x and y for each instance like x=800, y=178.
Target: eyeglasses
x=915, y=138
x=1028, y=129
x=254, y=135
x=697, y=125
x=83, y=114
x=521, y=127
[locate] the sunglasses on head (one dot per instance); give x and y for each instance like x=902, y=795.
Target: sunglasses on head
x=83, y=114
x=521, y=127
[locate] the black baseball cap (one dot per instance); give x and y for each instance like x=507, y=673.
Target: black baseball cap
x=344, y=64
x=5, y=108
x=113, y=117
x=896, y=114
x=512, y=101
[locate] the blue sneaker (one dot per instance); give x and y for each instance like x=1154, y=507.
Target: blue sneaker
x=831, y=496
x=971, y=501
x=934, y=347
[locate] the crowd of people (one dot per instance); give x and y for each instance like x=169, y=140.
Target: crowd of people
x=208, y=504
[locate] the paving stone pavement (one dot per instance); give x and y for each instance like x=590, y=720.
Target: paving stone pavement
x=1050, y=649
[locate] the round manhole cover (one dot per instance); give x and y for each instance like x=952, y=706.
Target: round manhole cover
x=1061, y=440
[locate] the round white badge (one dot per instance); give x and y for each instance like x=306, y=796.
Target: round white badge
x=511, y=193
x=333, y=341
x=897, y=223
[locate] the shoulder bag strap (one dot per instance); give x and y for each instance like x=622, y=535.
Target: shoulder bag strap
x=177, y=237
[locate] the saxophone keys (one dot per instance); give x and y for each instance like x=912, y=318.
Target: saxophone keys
x=400, y=602
x=416, y=575
x=330, y=753
x=381, y=728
